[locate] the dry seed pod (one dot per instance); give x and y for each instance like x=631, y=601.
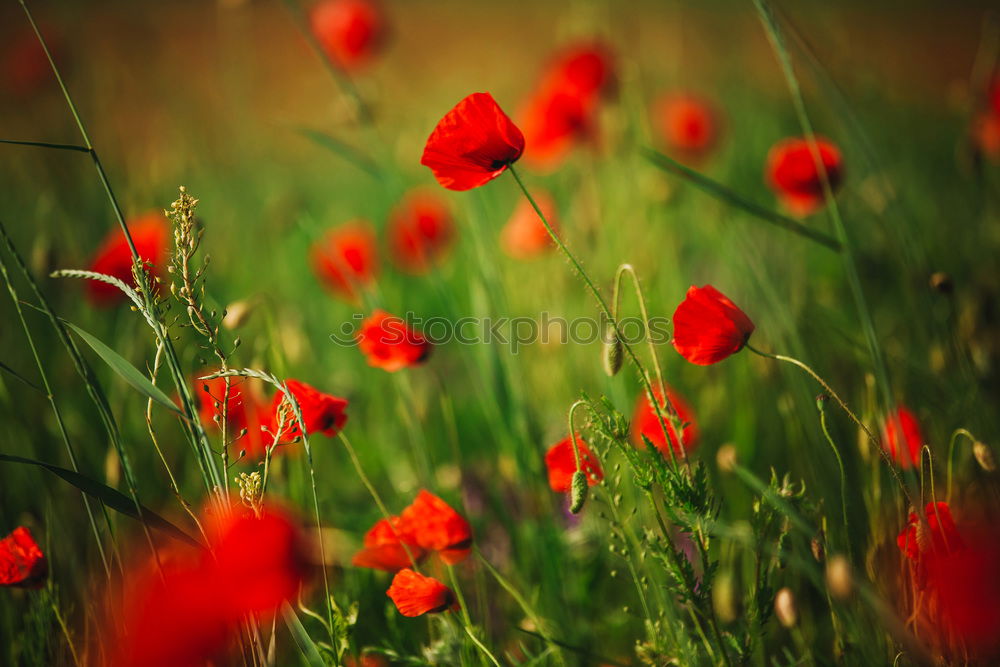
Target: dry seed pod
x=984, y=456
x=784, y=608
x=839, y=579
x=725, y=458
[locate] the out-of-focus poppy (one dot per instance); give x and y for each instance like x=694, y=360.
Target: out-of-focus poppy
x=472, y=144
x=22, y=563
x=432, y=524
x=416, y=595
x=708, y=327
x=645, y=423
x=244, y=410
x=151, y=235
x=384, y=548
x=902, y=438
x=389, y=344
x=561, y=464
x=367, y=660
x=346, y=259
x=792, y=173
x=322, y=413
x=524, y=236
x=986, y=134
x=689, y=125
x=351, y=32
x=938, y=537
x=24, y=69
x=420, y=231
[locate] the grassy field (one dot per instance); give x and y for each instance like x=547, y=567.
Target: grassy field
x=669, y=562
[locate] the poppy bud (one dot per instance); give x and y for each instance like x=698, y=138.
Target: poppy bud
x=237, y=313
x=578, y=492
x=725, y=458
x=839, y=579
x=984, y=456
x=784, y=608
x=613, y=355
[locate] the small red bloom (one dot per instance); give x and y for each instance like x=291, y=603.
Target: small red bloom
x=561, y=464
x=994, y=95
x=24, y=68
x=151, y=235
x=524, y=236
x=792, y=174
x=389, y=344
x=472, y=144
x=322, y=413
x=646, y=423
x=432, y=524
x=416, y=595
x=384, y=548
x=22, y=563
x=938, y=538
x=708, y=327
x=902, y=438
x=420, y=232
x=986, y=134
x=244, y=410
x=351, y=32
x=689, y=125
x=346, y=259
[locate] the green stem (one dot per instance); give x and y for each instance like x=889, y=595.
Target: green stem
x=951, y=455
x=840, y=466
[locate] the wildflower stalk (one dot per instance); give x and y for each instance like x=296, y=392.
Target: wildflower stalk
x=615, y=302
x=821, y=405
x=951, y=455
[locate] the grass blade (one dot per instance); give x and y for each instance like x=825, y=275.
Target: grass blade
x=45, y=144
x=10, y=371
x=302, y=639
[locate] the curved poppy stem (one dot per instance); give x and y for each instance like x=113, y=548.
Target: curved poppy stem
x=572, y=435
x=951, y=456
x=643, y=375
x=821, y=404
x=615, y=303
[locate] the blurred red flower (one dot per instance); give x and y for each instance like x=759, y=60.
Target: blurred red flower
x=244, y=410
x=645, y=423
x=708, y=327
x=938, y=537
x=367, y=660
x=416, y=595
x=791, y=172
x=322, y=413
x=24, y=68
x=22, y=563
x=421, y=232
x=389, y=344
x=351, y=32
x=902, y=438
x=689, y=125
x=432, y=524
x=986, y=134
x=346, y=259
x=561, y=464
x=524, y=236
x=151, y=235
x=472, y=144
x=384, y=547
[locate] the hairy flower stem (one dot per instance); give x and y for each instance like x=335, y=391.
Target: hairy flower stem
x=840, y=465
x=951, y=456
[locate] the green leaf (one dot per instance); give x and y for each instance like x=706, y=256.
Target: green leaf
x=302, y=639
x=127, y=371
x=112, y=498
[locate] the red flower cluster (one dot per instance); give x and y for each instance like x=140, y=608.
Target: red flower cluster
x=562, y=111
x=322, y=413
x=420, y=232
x=986, y=123
x=188, y=610
x=561, y=464
x=902, y=438
x=346, y=259
x=645, y=423
x=689, y=125
x=22, y=563
x=708, y=327
x=791, y=172
x=389, y=344
x=472, y=144
x=151, y=235
x=244, y=410
x=428, y=524
x=351, y=32
x=416, y=595
x=524, y=236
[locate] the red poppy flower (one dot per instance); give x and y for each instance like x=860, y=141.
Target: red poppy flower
x=708, y=327
x=561, y=464
x=322, y=413
x=994, y=95
x=24, y=68
x=792, y=174
x=416, y=595
x=986, y=134
x=938, y=538
x=472, y=144
x=646, y=423
x=524, y=236
x=389, y=344
x=384, y=548
x=420, y=232
x=351, y=32
x=346, y=259
x=367, y=660
x=902, y=438
x=432, y=524
x=244, y=410
x=151, y=235
x=689, y=125
x=22, y=563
